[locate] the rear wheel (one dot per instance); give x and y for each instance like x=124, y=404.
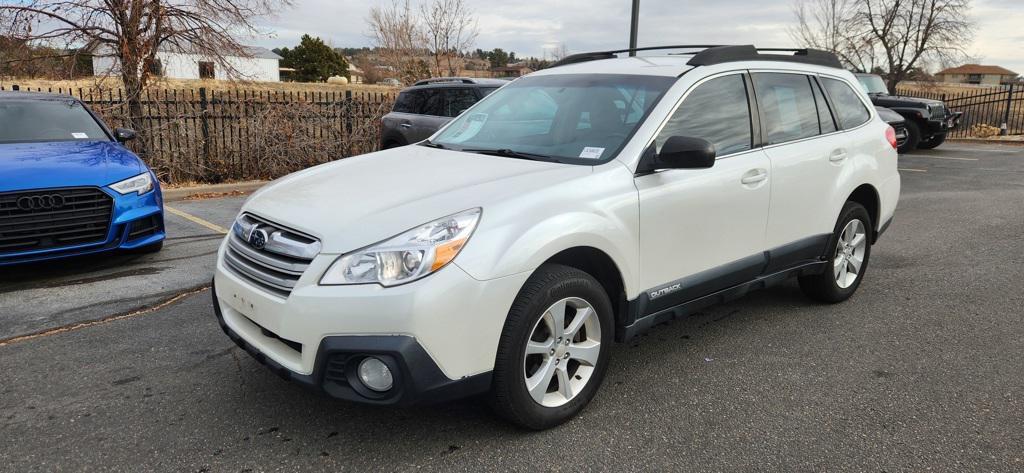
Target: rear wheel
x=933, y=142
x=553, y=351
x=849, y=253
x=913, y=138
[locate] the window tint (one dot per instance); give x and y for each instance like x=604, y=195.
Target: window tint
x=433, y=102
x=47, y=120
x=410, y=101
x=850, y=111
x=787, y=106
x=825, y=121
x=717, y=111
x=458, y=100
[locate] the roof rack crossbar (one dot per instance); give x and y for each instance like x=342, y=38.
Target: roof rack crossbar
x=718, y=54
x=440, y=80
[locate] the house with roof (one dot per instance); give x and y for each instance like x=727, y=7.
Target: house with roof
x=977, y=74
x=259, y=64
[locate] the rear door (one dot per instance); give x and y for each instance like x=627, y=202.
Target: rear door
x=702, y=230
x=807, y=157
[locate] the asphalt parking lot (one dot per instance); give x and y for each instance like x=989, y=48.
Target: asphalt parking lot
x=118, y=364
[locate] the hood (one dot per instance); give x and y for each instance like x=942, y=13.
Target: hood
x=893, y=101
x=65, y=164
x=357, y=201
x=890, y=116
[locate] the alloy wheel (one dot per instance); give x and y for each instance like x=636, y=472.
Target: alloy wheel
x=562, y=352
x=850, y=250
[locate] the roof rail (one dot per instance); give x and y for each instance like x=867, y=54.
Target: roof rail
x=723, y=54
x=717, y=54
x=593, y=56
x=440, y=80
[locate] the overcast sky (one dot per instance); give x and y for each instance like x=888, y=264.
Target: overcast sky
x=533, y=28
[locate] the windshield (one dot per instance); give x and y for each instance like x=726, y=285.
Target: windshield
x=24, y=121
x=872, y=84
x=572, y=118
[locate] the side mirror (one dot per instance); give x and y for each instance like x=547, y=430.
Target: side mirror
x=124, y=134
x=680, y=152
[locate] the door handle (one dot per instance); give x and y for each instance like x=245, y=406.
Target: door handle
x=754, y=176
x=837, y=155
x=406, y=125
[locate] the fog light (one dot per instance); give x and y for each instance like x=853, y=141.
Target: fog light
x=375, y=374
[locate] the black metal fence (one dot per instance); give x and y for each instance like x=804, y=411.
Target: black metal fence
x=208, y=135
x=993, y=107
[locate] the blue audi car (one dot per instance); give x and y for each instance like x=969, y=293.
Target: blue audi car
x=68, y=186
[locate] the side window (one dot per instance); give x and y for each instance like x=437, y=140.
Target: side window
x=458, y=100
x=850, y=111
x=825, y=120
x=787, y=106
x=433, y=102
x=717, y=111
x=410, y=101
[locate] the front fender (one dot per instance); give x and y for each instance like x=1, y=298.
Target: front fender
x=599, y=211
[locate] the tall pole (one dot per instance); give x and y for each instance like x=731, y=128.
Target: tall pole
x=633, y=24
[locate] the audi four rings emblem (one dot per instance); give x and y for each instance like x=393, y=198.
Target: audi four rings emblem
x=41, y=202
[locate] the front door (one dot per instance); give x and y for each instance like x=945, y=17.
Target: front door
x=702, y=230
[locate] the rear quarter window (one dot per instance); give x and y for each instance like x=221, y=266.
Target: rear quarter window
x=849, y=109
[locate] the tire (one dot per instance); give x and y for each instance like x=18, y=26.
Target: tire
x=933, y=142
x=837, y=284
x=913, y=138
x=549, y=287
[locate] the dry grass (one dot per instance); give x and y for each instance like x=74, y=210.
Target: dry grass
x=943, y=87
x=210, y=84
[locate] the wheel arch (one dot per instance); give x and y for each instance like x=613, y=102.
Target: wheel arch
x=867, y=195
x=602, y=267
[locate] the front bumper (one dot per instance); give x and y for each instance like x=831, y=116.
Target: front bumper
x=439, y=335
x=136, y=221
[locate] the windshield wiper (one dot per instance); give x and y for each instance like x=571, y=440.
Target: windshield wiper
x=431, y=144
x=509, y=153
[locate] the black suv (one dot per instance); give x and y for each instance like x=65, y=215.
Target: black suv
x=927, y=121
x=427, y=105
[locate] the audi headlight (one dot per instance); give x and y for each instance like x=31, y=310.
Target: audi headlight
x=140, y=184
x=406, y=257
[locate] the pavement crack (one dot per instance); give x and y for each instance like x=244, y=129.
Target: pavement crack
x=113, y=318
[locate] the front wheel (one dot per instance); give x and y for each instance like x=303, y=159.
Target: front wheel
x=553, y=351
x=849, y=251
x=933, y=142
x=913, y=138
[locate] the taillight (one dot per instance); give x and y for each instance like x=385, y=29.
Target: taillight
x=890, y=134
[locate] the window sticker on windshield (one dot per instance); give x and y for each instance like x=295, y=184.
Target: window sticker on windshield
x=469, y=128
x=80, y=136
x=591, y=153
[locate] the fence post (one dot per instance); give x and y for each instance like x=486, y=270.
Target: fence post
x=204, y=106
x=1005, y=128
x=348, y=122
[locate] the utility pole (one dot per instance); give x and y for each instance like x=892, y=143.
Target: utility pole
x=633, y=25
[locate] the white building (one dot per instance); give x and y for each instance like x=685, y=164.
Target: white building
x=263, y=65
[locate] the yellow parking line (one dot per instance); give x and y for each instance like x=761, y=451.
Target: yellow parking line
x=197, y=220
x=939, y=157
x=913, y=170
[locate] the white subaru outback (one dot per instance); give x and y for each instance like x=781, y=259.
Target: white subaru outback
x=574, y=207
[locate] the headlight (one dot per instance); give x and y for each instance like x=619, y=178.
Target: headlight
x=140, y=184
x=406, y=257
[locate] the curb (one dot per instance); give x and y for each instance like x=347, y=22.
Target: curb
x=180, y=193
x=989, y=141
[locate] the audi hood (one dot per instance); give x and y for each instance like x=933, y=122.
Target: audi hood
x=65, y=164
x=354, y=202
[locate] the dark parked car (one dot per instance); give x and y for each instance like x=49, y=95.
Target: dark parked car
x=927, y=121
x=897, y=122
x=425, y=107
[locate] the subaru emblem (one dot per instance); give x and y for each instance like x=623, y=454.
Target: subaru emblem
x=258, y=238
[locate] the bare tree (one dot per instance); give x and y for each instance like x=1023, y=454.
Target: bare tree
x=896, y=35
x=559, y=52
x=837, y=26
x=908, y=31
x=396, y=32
x=450, y=28
x=133, y=31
